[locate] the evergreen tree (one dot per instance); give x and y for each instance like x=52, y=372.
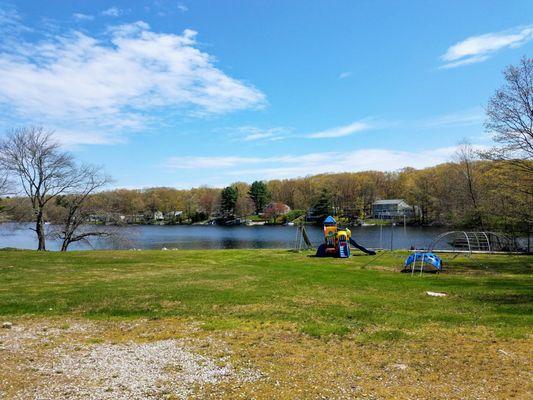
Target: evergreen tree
x=260, y=195
x=228, y=200
x=323, y=205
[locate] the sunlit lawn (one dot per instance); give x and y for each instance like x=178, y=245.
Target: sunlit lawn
x=222, y=289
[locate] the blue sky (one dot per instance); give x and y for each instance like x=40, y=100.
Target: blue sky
x=189, y=93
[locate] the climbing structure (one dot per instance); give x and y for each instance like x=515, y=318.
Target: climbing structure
x=337, y=241
x=475, y=241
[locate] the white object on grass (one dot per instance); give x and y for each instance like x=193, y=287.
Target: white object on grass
x=436, y=294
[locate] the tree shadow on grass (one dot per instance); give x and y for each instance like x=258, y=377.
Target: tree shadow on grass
x=507, y=298
x=515, y=265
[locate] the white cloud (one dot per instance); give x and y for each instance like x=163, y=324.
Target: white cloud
x=340, y=131
x=9, y=16
x=75, y=138
x=76, y=82
x=313, y=163
x=82, y=17
x=113, y=12
x=11, y=21
x=252, y=133
x=465, y=118
x=344, y=75
x=193, y=162
x=182, y=7
x=476, y=49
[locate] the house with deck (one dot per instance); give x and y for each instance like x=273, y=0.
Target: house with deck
x=391, y=209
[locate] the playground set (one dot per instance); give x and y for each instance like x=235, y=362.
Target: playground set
x=337, y=241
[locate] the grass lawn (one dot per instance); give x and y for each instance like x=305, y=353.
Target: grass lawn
x=315, y=327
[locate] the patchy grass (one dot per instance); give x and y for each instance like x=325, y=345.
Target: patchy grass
x=452, y=364
x=314, y=328
x=248, y=287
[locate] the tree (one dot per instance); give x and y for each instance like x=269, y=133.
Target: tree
x=191, y=204
x=260, y=195
x=322, y=207
x=228, y=201
x=5, y=187
x=510, y=120
x=244, y=206
x=275, y=210
x=42, y=169
x=207, y=199
x=465, y=158
x=76, y=208
x=510, y=117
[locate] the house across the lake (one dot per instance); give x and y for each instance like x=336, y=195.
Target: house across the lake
x=393, y=208
x=276, y=208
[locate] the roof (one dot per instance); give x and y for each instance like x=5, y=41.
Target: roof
x=330, y=220
x=391, y=201
x=276, y=204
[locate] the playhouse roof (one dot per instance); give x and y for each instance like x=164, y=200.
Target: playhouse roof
x=330, y=220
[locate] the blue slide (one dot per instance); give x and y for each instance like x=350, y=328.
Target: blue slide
x=363, y=249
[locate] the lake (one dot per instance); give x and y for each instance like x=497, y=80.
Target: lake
x=222, y=237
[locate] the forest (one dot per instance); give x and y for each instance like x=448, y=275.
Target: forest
x=468, y=193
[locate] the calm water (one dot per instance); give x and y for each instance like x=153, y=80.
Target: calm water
x=220, y=237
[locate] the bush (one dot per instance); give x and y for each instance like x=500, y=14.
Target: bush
x=292, y=215
x=199, y=216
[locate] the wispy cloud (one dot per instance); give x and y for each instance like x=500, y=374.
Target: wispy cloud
x=470, y=117
x=9, y=15
x=182, y=7
x=11, y=21
x=340, y=131
x=476, y=49
x=252, y=133
x=74, y=138
x=113, y=12
x=313, y=163
x=73, y=81
x=344, y=75
x=82, y=17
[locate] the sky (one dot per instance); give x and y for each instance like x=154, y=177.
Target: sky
x=189, y=93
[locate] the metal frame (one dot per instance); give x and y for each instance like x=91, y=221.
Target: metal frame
x=498, y=238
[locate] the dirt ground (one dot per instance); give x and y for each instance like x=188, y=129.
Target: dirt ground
x=180, y=359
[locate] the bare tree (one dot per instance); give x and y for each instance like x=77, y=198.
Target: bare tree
x=76, y=207
x=510, y=116
x=465, y=158
x=4, y=183
x=5, y=188
x=42, y=170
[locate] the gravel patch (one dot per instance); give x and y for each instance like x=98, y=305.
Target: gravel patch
x=21, y=338
x=162, y=369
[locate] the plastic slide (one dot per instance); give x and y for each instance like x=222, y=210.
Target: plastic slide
x=321, y=251
x=363, y=249
x=344, y=250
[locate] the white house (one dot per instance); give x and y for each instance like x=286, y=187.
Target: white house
x=393, y=208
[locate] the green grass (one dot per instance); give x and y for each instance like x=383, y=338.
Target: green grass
x=233, y=288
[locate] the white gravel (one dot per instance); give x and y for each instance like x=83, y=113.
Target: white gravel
x=162, y=369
